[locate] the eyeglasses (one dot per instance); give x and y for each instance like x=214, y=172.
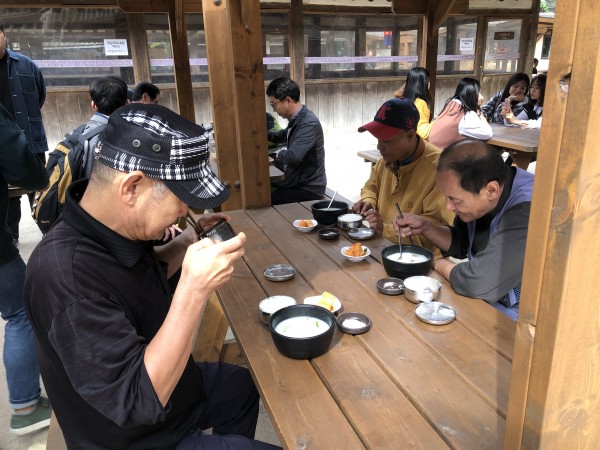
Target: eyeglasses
x=274, y=104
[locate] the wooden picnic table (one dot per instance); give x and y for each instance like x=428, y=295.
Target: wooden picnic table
x=403, y=384
x=521, y=143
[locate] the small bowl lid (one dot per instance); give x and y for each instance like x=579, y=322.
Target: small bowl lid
x=435, y=313
x=279, y=272
x=329, y=234
x=390, y=286
x=361, y=234
x=354, y=323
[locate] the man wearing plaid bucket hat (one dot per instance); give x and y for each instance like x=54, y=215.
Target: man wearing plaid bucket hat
x=114, y=343
x=405, y=174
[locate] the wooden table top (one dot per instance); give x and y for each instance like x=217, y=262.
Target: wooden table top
x=14, y=191
x=515, y=138
x=403, y=384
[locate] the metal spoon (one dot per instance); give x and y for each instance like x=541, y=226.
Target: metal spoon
x=329, y=206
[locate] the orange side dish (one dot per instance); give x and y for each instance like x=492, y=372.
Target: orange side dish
x=306, y=223
x=355, y=250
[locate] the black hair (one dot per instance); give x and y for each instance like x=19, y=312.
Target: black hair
x=283, y=87
x=540, y=81
x=517, y=77
x=476, y=163
x=145, y=87
x=108, y=93
x=467, y=92
x=417, y=85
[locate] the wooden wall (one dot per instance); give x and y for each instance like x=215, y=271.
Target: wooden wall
x=338, y=104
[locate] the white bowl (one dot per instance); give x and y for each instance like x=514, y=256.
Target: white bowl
x=315, y=299
x=355, y=258
x=305, y=229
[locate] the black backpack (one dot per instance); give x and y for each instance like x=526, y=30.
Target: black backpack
x=65, y=164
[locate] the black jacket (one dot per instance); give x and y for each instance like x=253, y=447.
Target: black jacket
x=18, y=167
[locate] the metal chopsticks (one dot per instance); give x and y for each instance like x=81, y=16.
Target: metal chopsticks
x=402, y=217
x=192, y=222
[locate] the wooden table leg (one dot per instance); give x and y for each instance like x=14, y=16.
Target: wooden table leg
x=521, y=159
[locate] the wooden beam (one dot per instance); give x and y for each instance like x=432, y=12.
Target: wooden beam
x=296, y=45
x=527, y=47
x=234, y=50
x=555, y=388
x=138, y=41
x=181, y=63
x=158, y=6
x=411, y=7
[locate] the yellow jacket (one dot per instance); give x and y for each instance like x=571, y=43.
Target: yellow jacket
x=424, y=126
x=413, y=187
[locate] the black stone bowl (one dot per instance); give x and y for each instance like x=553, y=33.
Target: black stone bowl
x=328, y=216
x=302, y=348
x=404, y=270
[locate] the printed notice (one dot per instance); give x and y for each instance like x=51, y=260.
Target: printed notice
x=115, y=47
x=467, y=45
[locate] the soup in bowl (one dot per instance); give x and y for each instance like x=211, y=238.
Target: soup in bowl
x=327, y=214
x=302, y=331
x=415, y=260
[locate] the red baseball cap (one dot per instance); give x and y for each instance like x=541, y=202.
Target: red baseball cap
x=394, y=115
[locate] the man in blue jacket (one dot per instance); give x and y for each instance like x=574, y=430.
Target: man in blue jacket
x=303, y=160
x=22, y=94
x=19, y=167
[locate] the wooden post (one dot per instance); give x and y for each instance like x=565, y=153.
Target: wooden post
x=138, y=42
x=296, y=43
x=234, y=50
x=555, y=387
x=527, y=47
x=181, y=60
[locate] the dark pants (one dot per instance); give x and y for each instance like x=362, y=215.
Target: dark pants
x=231, y=410
x=14, y=206
x=281, y=196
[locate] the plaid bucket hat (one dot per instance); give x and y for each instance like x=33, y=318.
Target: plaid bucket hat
x=165, y=146
x=394, y=115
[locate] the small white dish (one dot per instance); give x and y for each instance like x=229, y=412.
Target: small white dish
x=356, y=258
x=305, y=229
x=315, y=300
x=272, y=304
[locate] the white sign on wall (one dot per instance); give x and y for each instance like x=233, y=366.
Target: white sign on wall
x=115, y=47
x=467, y=45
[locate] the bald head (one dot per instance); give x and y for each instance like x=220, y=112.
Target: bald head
x=475, y=162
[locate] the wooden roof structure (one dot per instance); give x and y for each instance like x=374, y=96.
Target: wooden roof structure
x=555, y=390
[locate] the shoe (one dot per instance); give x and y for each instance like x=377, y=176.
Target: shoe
x=37, y=419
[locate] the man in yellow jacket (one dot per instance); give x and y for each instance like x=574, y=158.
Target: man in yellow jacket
x=405, y=174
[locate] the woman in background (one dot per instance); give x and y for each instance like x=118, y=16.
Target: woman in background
x=461, y=116
x=531, y=116
x=514, y=94
x=416, y=89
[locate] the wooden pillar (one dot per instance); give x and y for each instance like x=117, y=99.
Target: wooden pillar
x=138, y=42
x=234, y=50
x=479, y=63
x=296, y=42
x=555, y=387
x=181, y=60
x=527, y=48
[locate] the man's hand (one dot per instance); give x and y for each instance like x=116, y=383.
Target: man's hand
x=375, y=220
x=209, y=264
x=410, y=224
x=209, y=220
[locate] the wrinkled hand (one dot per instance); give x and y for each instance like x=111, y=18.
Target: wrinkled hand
x=375, y=220
x=209, y=264
x=209, y=220
x=410, y=224
x=361, y=207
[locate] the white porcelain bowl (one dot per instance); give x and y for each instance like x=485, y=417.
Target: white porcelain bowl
x=355, y=258
x=305, y=229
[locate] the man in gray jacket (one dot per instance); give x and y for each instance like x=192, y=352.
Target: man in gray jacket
x=303, y=160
